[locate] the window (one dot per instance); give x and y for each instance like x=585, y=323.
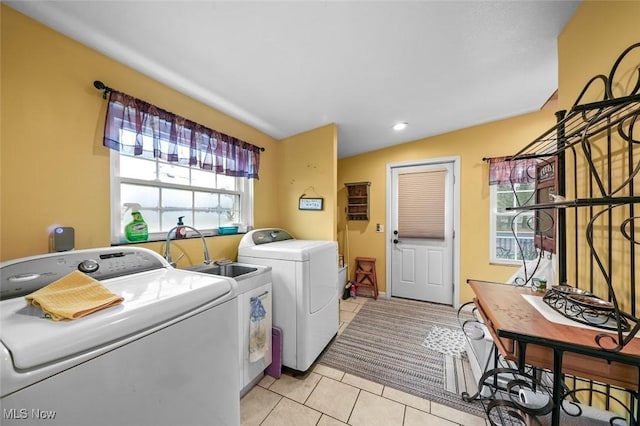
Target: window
x=166, y=191
x=511, y=231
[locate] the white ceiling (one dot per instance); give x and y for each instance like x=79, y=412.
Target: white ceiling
x=288, y=67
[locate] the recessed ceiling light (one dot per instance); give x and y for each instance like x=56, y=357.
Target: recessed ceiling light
x=400, y=126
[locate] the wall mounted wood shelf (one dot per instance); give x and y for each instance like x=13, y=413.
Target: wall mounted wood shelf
x=358, y=200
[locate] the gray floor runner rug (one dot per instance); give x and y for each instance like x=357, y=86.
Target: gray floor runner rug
x=385, y=343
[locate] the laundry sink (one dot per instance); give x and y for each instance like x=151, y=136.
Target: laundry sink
x=232, y=270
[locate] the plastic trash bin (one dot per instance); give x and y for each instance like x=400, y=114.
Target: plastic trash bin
x=275, y=369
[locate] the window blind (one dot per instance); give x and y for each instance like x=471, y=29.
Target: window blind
x=421, y=204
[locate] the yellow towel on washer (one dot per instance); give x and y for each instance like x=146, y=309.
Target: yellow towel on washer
x=73, y=296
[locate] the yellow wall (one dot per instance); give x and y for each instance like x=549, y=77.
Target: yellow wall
x=472, y=144
x=54, y=169
x=309, y=166
x=590, y=43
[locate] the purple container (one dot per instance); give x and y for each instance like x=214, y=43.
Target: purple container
x=275, y=369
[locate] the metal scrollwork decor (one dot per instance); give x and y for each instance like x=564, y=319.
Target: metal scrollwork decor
x=598, y=142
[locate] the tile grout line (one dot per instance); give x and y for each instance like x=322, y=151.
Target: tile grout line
x=314, y=388
x=404, y=414
x=357, y=396
x=354, y=404
x=271, y=410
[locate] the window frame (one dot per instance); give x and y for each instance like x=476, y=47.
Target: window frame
x=493, y=232
x=244, y=188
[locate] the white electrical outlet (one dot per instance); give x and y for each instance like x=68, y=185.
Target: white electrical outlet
x=379, y=227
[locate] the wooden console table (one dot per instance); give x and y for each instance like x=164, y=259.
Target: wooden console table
x=525, y=336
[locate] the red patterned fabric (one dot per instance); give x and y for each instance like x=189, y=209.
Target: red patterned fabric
x=503, y=171
x=176, y=139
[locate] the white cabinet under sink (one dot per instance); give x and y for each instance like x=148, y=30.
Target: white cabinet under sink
x=259, y=286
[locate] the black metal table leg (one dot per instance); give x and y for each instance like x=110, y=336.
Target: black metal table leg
x=637, y=396
x=557, y=387
x=522, y=352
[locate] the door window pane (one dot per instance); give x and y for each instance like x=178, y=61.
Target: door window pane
x=205, y=200
x=421, y=204
x=137, y=168
x=146, y=196
x=206, y=220
x=170, y=218
x=176, y=198
x=511, y=230
x=174, y=174
x=203, y=179
x=226, y=182
x=229, y=205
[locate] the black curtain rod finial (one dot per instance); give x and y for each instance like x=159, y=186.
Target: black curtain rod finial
x=101, y=86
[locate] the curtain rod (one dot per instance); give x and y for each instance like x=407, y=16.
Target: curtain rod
x=491, y=158
x=518, y=157
x=106, y=90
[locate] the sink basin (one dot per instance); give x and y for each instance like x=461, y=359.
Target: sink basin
x=232, y=270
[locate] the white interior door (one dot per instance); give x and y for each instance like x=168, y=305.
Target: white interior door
x=422, y=232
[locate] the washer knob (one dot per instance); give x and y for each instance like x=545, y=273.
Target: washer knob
x=88, y=266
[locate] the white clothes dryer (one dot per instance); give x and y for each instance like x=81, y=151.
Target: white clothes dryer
x=305, y=303
x=167, y=355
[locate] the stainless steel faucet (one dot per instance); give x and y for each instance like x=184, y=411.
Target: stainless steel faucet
x=167, y=253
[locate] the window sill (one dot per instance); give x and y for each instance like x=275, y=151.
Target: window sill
x=154, y=239
x=515, y=264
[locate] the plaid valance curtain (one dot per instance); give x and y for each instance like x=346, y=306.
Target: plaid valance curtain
x=503, y=171
x=136, y=127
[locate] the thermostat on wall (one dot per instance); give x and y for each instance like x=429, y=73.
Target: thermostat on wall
x=62, y=239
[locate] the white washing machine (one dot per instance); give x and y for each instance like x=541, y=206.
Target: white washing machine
x=167, y=355
x=305, y=303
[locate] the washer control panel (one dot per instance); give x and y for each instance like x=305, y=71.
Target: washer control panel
x=20, y=277
x=266, y=236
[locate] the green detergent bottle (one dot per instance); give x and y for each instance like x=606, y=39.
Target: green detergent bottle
x=136, y=230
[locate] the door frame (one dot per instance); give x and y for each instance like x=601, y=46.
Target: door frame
x=456, y=219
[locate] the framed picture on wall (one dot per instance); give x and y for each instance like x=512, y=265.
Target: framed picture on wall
x=311, y=204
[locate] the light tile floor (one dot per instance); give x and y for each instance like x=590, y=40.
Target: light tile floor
x=325, y=396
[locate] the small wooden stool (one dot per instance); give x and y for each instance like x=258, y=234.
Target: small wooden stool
x=364, y=276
